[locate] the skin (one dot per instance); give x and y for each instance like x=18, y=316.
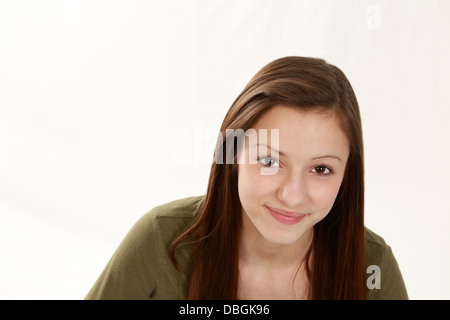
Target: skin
x=307, y=173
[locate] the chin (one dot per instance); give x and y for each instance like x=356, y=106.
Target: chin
x=283, y=237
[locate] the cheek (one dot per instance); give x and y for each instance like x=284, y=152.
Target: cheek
x=252, y=186
x=323, y=196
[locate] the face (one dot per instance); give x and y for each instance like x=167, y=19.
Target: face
x=302, y=177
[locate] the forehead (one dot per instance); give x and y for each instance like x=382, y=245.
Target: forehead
x=306, y=131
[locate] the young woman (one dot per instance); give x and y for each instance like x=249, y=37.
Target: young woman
x=287, y=223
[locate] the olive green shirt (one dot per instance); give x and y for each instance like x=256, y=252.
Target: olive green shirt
x=141, y=268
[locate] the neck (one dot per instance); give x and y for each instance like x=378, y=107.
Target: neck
x=254, y=249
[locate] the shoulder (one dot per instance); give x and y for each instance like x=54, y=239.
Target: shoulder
x=180, y=208
x=375, y=244
x=384, y=280
x=168, y=221
x=141, y=268
x=157, y=228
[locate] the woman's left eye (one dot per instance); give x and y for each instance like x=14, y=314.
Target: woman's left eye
x=322, y=170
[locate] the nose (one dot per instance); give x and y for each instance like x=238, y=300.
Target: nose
x=293, y=191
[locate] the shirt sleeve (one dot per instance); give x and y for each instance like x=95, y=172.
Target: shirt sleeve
x=130, y=273
x=392, y=286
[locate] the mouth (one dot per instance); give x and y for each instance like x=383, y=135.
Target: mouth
x=285, y=217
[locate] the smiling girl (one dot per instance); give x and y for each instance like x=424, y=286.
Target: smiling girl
x=295, y=232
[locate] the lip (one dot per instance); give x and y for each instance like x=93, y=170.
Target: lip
x=286, y=217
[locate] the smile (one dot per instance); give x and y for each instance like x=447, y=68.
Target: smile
x=285, y=217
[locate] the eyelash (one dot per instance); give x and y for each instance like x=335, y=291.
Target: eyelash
x=267, y=157
x=330, y=169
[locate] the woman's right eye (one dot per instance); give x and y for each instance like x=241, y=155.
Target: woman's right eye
x=268, y=162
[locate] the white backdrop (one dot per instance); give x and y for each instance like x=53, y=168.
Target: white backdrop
x=96, y=95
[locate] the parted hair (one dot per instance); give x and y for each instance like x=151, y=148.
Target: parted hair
x=335, y=260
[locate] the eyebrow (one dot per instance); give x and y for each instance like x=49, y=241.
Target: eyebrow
x=327, y=156
x=277, y=151
x=315, y=158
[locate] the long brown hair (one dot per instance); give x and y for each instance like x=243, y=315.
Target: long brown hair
x=335, y=259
